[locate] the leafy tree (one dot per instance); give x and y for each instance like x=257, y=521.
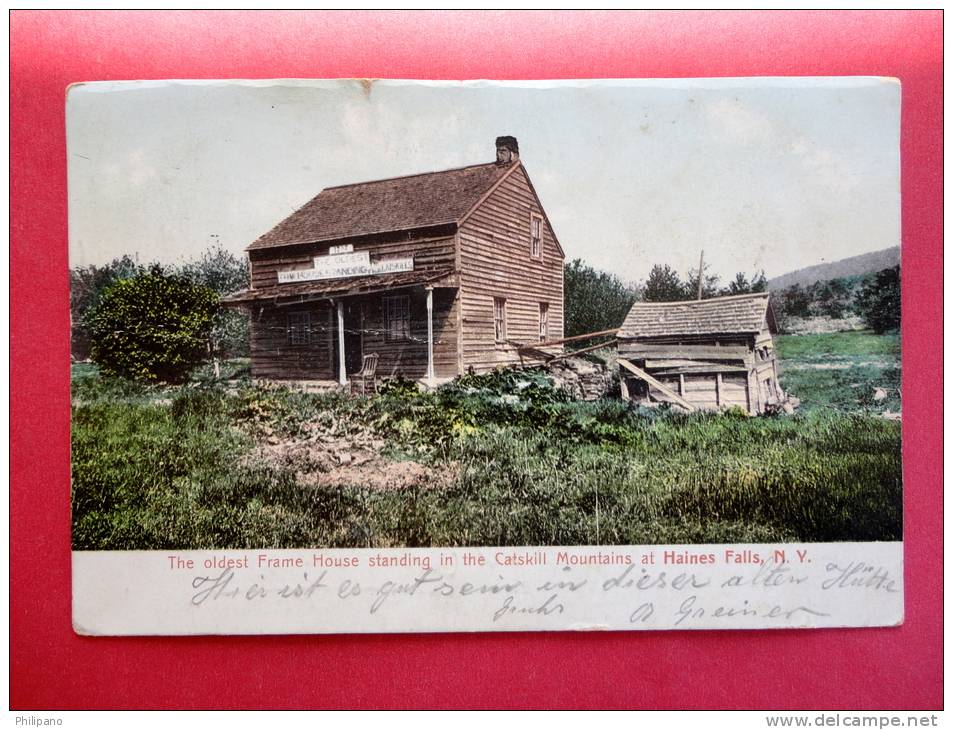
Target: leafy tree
x=709, y=284
x=832, y=298
x=224, y=273
x=790, y=302
x=878, y=301
x=663, y=285
x=218, y=269
x=795, y=301
x=741, y=285
x=759, y=282
x=738, y=285
x=153, y=326
x=594, y=300
x=86, y=285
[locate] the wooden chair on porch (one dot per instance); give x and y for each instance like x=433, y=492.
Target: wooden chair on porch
x=365, y=381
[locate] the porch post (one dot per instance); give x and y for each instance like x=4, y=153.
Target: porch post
x=342, y=371
x=430, y=368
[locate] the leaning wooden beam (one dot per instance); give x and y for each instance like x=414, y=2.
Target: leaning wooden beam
x=533, y=352
x=607, y=343
x=574, y=338
x=638, y=372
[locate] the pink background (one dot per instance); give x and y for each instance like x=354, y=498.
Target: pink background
x=52, y=668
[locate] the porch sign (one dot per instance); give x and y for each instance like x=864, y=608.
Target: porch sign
x=344, y=265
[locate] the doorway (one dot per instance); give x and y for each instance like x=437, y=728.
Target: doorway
x=353, y=337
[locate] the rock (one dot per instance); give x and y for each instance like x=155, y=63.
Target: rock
x=879, y=394
x=344, y=457
x=583, y=379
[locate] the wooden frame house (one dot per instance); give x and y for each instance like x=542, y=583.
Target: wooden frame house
x=438, y=274
x=706, y=354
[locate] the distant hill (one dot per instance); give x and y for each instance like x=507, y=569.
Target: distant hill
x=863, y=264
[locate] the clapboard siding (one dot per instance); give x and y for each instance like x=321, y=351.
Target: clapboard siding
x=408, y=358
x=495, y=261
x=274, y=359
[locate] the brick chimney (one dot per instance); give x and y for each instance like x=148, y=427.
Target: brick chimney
x=507, y=150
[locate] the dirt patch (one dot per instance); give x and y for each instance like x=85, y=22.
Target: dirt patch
x=327, y=459
x=381, y=475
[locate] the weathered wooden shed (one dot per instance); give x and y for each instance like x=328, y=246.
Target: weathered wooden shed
x=702, y=354
x=436, y=274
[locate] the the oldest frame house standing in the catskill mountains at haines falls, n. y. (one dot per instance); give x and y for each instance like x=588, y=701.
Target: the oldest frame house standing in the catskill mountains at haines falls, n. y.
x=433, y=275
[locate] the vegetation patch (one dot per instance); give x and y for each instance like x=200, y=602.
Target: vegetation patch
x=847, y=371
x=499, y=459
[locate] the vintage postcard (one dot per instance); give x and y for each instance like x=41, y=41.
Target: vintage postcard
x=404, y=356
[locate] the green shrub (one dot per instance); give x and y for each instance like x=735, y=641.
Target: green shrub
x=399, y=387
x=878, y=301
x=152, y=327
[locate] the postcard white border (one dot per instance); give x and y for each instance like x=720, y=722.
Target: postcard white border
x=655, y=587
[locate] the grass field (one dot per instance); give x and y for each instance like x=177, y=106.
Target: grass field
x=491, y=460
x=842, y=370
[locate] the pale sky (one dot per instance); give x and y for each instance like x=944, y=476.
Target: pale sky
x=772, y=174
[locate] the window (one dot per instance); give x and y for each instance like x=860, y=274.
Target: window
x=499, y=319
x=536, y=236
x=397, y=318
x=543, y=321
x=299, y=328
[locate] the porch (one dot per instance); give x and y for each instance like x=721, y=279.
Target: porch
x=318, y=334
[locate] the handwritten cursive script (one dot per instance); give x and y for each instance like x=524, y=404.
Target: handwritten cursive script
x=735, y=599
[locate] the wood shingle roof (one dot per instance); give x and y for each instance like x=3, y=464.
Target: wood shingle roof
x=742, y=313
x=379, y=206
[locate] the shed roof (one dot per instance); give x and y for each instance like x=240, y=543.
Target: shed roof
x=743, y=313
x=380, y=206
x=344, y=287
